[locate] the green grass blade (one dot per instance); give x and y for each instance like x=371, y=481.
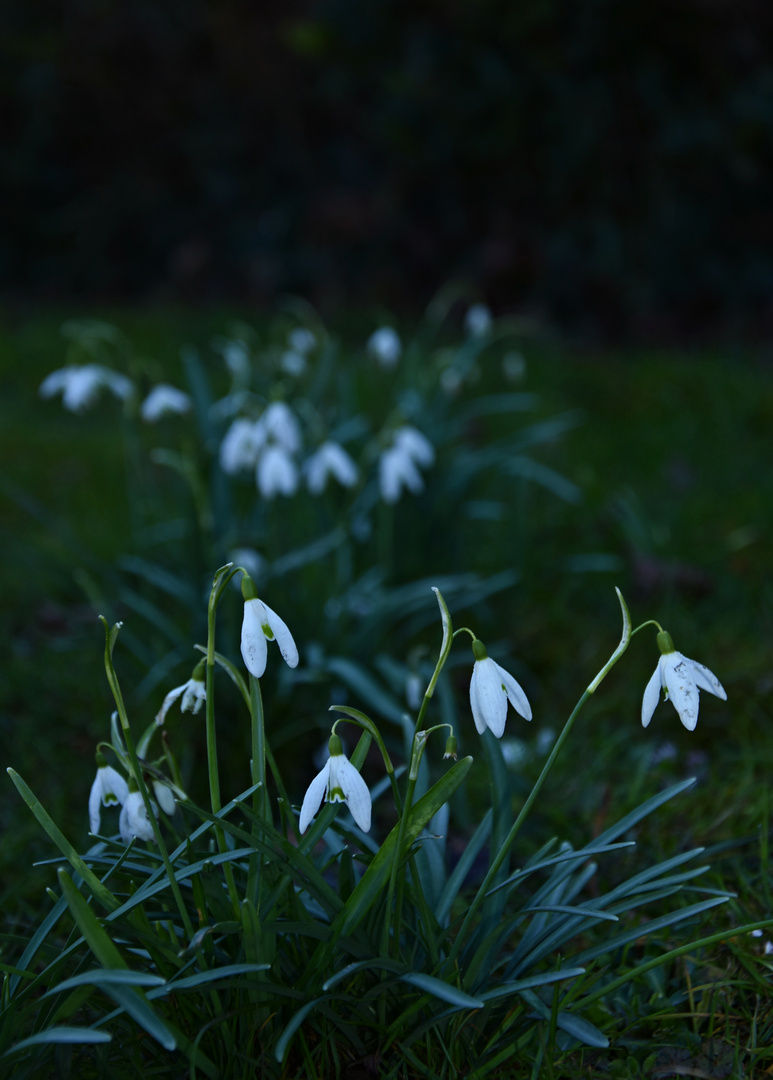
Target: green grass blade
x=59, y=1035
x=99, y=890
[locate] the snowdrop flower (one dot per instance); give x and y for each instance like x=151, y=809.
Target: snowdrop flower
x=260, y=625
x=682, y=680
x=163, y=400
x=414, y=690
x=329, y=460
x=491, y=687
x=276, y=472
x=134, y=821
x=278, y=424
x=478, y=320
x=80, y=384
x=301, y=340
x=109, y=789
x=398, y=464
x=338, y=781
x=193, y=694
x=293, y=363
x=417, y=446
x=241, y=445
x=385, y=347
x=164, y=797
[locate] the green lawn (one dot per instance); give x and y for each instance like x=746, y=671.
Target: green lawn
x=671, y=454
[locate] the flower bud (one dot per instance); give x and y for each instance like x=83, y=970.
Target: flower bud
x=450, y=748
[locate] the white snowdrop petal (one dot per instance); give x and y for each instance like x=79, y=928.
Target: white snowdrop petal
x=651, y=696
x=253, y=643
x=282, y=635
x=312, y=800
x=95, y=801
x=682, y=691
x=515, y=694
x=706, y=679
x=169, y=700
x=356, y=793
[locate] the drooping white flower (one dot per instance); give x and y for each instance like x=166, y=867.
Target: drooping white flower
x=276, y=472
x=164, y=400
x=491, y=687
x=193, y=694
x=134, y=820
x=302, y=340
x=259, y=626
x=338, y=781
x=385, y=347
x=329, y=460
x=478, y=320
x=109, y=789
x=417, y=446
x=241, y=445
x=398, y=464
x=682, y=680
x=279, y=425
x=293, y=363
x=80, y=384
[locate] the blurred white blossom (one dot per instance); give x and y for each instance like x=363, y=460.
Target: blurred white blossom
x=80, y=384
x=163, y=400
x=385, y=347
x=277, y=473
x=278, y=424
x=478, y=320
x=329, y=460
x=241, y=445
x=398, y=464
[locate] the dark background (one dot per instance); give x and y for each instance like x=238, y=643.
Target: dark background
x=603, y=165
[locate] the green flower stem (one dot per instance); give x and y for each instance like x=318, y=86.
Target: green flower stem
x=259, y=796
x=221, y=577
x=136, y=768
x=516, y=826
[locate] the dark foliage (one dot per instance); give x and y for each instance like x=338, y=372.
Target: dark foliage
x=605, y=163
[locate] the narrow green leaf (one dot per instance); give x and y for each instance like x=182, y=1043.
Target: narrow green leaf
x=292, y=1027
x=60, y=1035
x=374, y=878
x=99, y=890
x=102, y=977
x=443, y=990
x=133, y=1001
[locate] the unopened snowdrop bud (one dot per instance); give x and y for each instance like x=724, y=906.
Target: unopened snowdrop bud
x=134, y=821
x=450, y=751
x=681, y=681
x=491, y=687
x=109, y=789
x=260, y=625
x=164, y=797
x=384, y=346
x=338, y=781
x=193, y=694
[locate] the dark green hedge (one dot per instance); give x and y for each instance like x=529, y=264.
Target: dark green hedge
x=606, y=162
